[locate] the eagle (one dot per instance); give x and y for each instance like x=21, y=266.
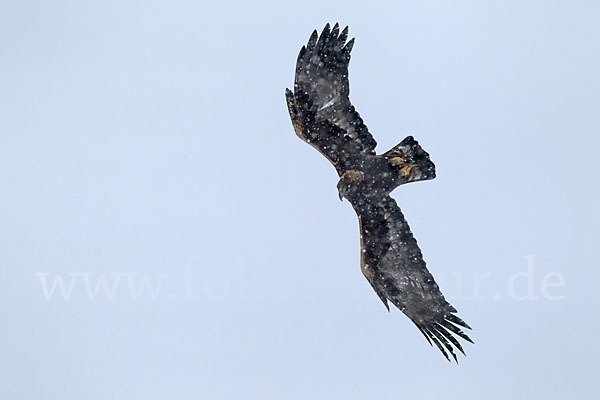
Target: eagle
x=322, y=116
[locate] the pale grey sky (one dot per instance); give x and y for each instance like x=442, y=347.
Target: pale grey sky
x=152, y=141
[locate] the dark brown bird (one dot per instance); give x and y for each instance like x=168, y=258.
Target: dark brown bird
x=391, y=260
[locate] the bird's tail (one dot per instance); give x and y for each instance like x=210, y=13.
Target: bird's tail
x=411, y=162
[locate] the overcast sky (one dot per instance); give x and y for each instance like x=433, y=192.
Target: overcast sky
x=148, y=146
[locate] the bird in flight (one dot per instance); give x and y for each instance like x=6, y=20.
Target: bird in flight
x=391, y=260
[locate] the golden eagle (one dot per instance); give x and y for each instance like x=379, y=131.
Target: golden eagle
x=391, y=260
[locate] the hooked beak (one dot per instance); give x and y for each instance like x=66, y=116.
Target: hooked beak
x=340, y=195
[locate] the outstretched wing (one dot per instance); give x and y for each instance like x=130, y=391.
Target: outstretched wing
x=319, y=106
x=394, y=265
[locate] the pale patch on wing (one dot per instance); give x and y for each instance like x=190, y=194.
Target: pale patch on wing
x=328, y=104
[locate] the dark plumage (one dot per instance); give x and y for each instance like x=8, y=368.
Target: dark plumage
x=391, y=260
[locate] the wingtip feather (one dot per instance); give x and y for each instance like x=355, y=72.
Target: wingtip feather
x=312, y=40
x=335, y=30
x=343, y=36
x=439, y=346
x=348, y=47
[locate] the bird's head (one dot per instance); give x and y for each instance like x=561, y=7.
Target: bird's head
x=349, y=182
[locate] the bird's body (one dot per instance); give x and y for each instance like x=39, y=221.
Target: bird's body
x=391, y=260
